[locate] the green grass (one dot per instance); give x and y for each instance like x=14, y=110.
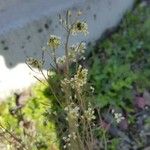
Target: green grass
x=33, y=111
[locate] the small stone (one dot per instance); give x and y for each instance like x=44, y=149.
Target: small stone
x=123, y=124
x=146, y=97
x=140, y=102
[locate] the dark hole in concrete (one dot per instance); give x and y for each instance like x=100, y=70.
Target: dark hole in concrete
x=94, y=16
x=40, y=30
x=88, y=8
x=6, y=48
x=46, y=26
x=22, y=46
x=3, y=42
x=10, y=64
x=28, y=37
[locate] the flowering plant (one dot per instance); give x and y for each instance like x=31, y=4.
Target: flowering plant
x=72, y=96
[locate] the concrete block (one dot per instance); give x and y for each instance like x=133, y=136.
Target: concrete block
x=25, y=26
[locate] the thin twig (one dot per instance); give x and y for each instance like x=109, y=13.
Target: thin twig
x=13, y=136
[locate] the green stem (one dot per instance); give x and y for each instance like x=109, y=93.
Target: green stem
x=66, y=54
x=55, y=61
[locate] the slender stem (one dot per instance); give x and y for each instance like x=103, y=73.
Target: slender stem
x=105, y=141
x=13, y=136
x=66, y=44
x=77, y=55
x=43, y=75
x=80, y=141
x=91, y=135
x=55, y=60
x=66, y=53
x=39, y=80
x=52, y=60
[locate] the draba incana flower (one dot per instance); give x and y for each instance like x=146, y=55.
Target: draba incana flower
x=72, y=111
x=51, y=73
x=73, y=114
x=68, y=138
x=118, y=117
x=80, y=79
x=89, y=114
x=61, y=60
x=65, y=82
x=76, y=51
x=79, y=13
x=78, y=48
x=92, y=89
x=79, y=27
x=34, y=63
x=54, y=41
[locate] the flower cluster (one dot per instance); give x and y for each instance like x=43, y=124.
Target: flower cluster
x=61, y=60
x=54, y=41
x=118, y=117
x=80, y=79
x=92, y=89
x=79, y=27
x=51, y=73
x=68, y=138
x=89, y=114
x=72, y=111
x=76, y=50
x=79, y=115
x=65, y=83
x=34, y=63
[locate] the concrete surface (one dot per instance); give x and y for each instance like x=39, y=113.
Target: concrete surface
x=26, y=24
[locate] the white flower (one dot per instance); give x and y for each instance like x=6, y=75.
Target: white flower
x=92, y=89
x=32, y=62
x=54, y=41
x=65, y=82
x=118, y=117
x=64, y=138
x=89, y=113
x=61, y=60
x=64, y=146
x=72, y=111
x=80, y=79
x=76, y=51
x=51, y=73
x=74, y=136
x=112, y=111
x=79, y=27
x=79, y=13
